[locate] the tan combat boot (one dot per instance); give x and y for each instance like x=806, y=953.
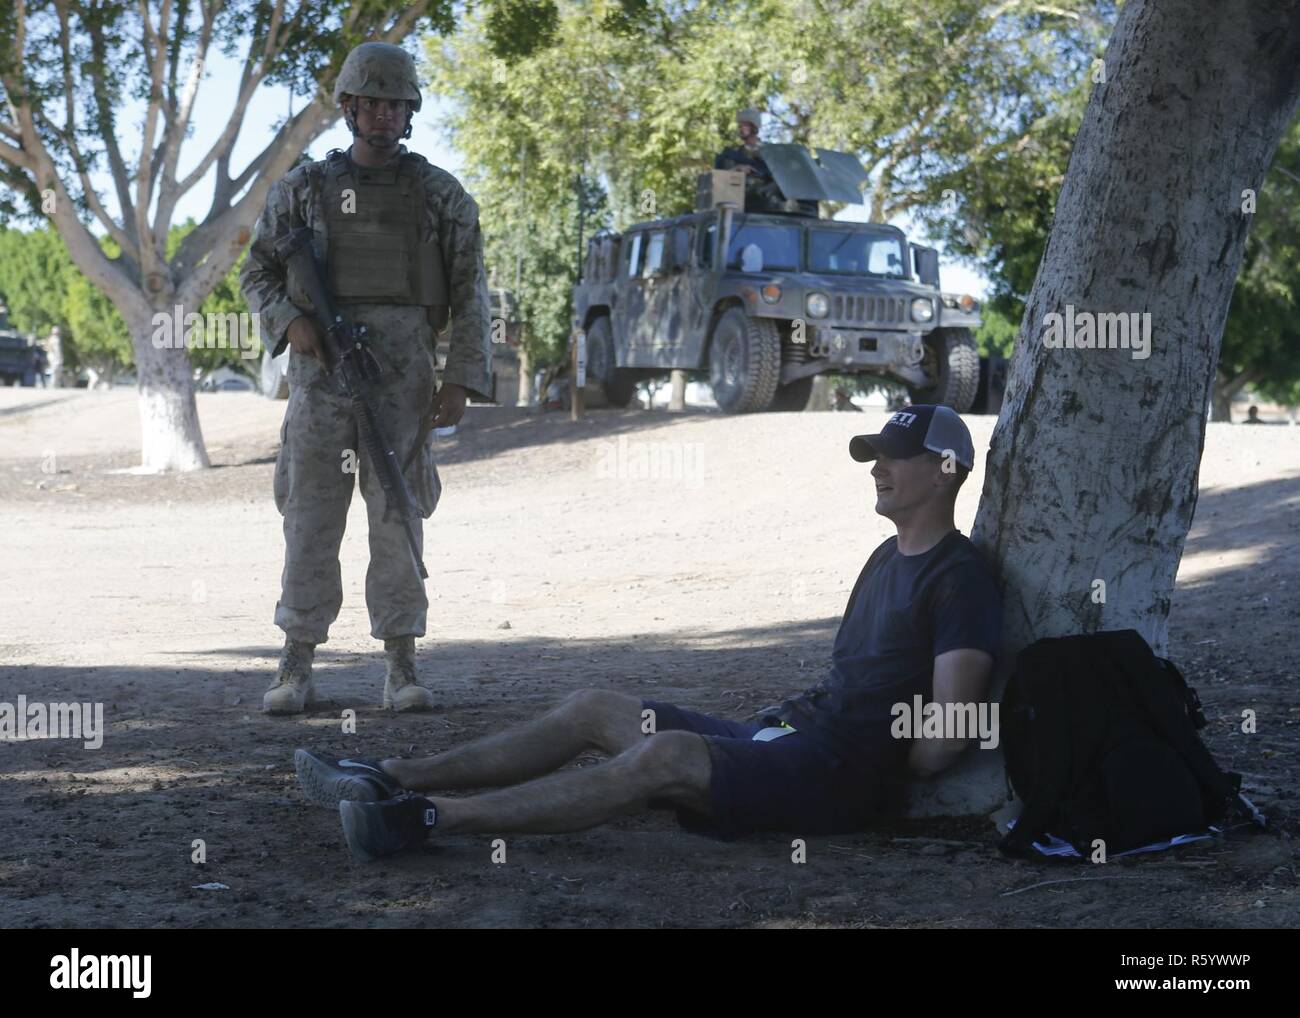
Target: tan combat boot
x=401, y=691
x=292, y=690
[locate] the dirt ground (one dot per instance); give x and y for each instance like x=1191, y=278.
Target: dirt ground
x=556, y=564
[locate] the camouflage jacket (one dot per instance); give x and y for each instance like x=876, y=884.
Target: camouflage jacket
x=293, y=201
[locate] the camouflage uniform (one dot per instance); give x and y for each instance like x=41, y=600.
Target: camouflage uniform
x=761, y=192
x=312, y=489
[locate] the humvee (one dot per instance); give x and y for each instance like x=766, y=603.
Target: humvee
x=765, y=301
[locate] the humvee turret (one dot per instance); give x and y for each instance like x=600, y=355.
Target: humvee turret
x=766, y=301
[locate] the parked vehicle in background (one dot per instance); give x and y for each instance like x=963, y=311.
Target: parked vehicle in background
x=765, y=302
x=20, y=361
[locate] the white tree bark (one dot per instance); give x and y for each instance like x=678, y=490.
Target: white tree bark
x=677, y=401
x=822, y=394
x=525, y=397
x=1092, y=471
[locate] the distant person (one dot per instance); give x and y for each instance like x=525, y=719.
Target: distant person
x=1252, y=416
x=54, y=349
x=35, y=373
x=923, y=621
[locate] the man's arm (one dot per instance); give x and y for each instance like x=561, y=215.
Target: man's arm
x=960, y=676
x=262, y=277
x=468, y=357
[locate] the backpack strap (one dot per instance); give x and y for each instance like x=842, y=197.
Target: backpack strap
x=1138, y=663
x=1190, y=699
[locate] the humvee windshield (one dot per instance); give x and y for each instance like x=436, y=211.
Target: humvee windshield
x=855, y=253
x=761, y=247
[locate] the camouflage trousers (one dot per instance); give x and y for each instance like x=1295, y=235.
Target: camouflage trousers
x=320, y=451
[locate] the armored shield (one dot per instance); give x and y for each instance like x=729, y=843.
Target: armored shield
x=817, y=174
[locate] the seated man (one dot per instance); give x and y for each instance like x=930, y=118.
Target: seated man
x=923, y=619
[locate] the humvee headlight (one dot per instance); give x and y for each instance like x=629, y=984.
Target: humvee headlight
x=771, y=293
x=922, y=309
x=818, y=305
x=967, y=303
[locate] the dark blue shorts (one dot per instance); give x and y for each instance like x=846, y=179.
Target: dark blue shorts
x=788, y=784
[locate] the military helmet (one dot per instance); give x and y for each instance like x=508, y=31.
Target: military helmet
x=751, y=116
x=379, y=70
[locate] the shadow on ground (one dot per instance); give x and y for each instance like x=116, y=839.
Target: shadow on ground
x=110, y=836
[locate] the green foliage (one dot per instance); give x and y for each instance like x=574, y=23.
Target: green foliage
x=43, y=288
x=516, y=28
x=34, y=270
x=627, y=102
x=1261, y=337
x=997, y=335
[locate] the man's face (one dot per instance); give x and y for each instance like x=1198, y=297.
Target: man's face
x=381, y=122
x=904, y=485
x=746, y=131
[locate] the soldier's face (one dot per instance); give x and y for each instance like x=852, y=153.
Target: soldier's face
x=381, y=122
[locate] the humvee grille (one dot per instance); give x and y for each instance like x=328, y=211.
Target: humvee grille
x=870, y=310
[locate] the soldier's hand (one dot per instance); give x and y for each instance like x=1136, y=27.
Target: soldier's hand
x=449, y=405
x=305, y=337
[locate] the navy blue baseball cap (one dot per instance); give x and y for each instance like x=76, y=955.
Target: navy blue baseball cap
x=917, y=429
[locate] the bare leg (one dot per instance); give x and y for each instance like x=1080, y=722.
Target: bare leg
x=673, y=766
x=589, y=718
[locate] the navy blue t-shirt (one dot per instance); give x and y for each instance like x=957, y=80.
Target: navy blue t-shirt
x=905, y=610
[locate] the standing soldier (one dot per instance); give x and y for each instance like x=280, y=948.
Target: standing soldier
x=399, y=241
x=761, y=193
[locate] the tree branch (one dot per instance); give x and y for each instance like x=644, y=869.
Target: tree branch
x=155, y=56
x=169, y=193
x=216, y=245
x=108, y=129
x=248, y=81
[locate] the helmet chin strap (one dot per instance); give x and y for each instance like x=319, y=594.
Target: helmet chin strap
x=350, y=117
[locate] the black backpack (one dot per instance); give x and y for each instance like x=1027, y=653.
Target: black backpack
x=1099, y=738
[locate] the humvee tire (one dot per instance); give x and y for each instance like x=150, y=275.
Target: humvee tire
x=793, y=396
x=953, y=356
x=618, y=385
x=744, y=362
x=273, y=382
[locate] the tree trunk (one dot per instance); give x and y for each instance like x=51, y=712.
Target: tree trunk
x=1092, y=470
x=1221, y=406
x=677, y=401
x=56, y=360
x=822, y=394
x=169, y=419
x=1225, y=391
x=525, y=397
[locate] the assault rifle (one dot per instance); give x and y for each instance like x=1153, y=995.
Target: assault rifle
x=348, y=355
